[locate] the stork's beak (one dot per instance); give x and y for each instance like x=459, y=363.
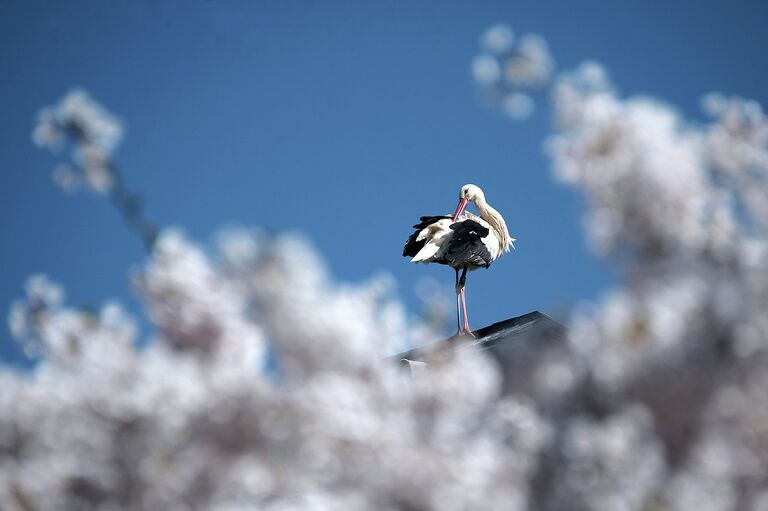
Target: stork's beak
x=460, y=208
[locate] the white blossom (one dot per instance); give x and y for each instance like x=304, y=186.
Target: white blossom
x=92, y=132
x=508, y=71
x=498, y=39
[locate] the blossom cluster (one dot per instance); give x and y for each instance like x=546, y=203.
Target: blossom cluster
x=93, y=134
x=267, y=384
x=92, y=131
x=507, y=71
x=679, y=206
x=194, y=421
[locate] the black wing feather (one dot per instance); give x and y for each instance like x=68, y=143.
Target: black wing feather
x=412, y=247
x=466, y=245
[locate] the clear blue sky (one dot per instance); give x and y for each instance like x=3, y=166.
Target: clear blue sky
x=345, y=120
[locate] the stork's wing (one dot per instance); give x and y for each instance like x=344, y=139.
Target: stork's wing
x=466, y=245
x=418, y=239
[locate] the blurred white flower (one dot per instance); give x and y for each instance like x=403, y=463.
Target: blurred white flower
x=78, y=111
x=517, y=105
x=41, y=290
x=91, y=131
x=507, y=73
x=67, y=178
x=486, y=70
x=96, y=171
x=531, y=64
x=738, y=141
x=498, y=39
x=48, y=132
x=627, y=156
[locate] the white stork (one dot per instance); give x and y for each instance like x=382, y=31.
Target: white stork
x=463, y=241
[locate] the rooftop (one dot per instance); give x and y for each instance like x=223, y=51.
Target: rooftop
x=500, y=338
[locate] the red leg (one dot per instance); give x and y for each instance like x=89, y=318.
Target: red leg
x=458, y=305
x=467, y=330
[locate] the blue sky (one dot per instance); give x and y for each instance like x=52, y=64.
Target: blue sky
x=343, y=120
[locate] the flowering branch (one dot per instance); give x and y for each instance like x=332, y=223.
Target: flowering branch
x=94, y=134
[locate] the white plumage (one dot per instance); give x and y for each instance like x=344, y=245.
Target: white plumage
x=435, y=235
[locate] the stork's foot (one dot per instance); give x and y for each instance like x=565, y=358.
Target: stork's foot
x=469, y=333
x=462, y=332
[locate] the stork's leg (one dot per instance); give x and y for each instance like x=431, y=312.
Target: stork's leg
x=458, y=304
x=467, y=330
x=463, y=281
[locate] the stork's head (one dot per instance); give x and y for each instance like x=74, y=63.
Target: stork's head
x=468, y=193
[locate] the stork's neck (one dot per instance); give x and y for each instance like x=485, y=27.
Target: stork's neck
x=496, y=221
